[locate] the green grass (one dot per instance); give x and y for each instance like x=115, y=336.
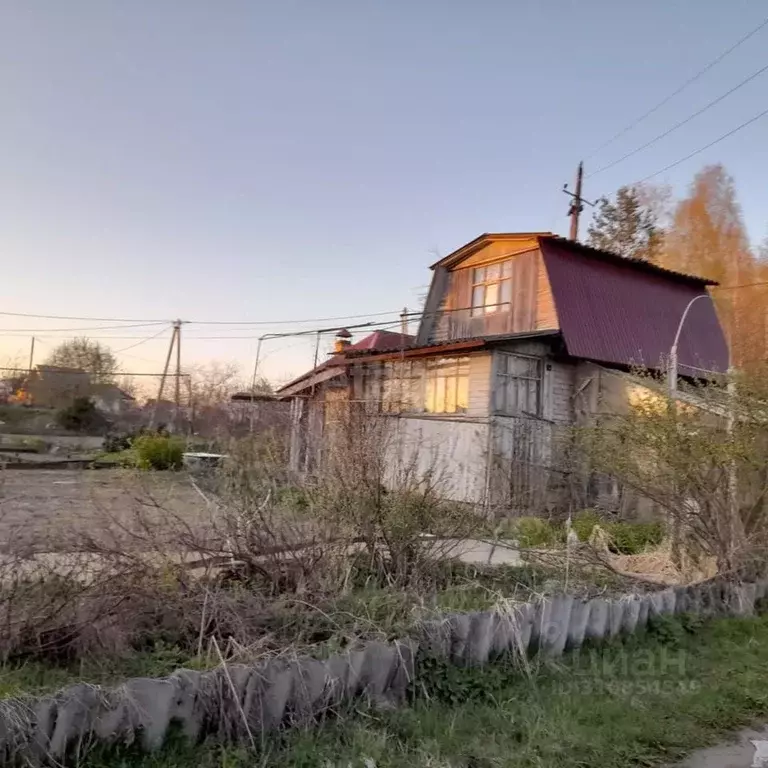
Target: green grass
x=34, y=677
x=125, y=458
x=645, y=703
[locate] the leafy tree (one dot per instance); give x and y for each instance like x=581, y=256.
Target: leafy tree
x=707, y=237
x=86, y=355
x=629, y=225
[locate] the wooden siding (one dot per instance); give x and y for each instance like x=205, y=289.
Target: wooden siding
x=436, y=298
x=546, y=311
x=480, y=383
x=562, y=376
x=452, y=451
x=500, y=250
x=457, y=321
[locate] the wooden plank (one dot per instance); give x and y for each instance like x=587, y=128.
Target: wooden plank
x=546, y=311
x=438, y=290
x=479, y=384
x=499, y=251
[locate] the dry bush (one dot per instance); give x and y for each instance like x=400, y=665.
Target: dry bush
x=387, y=494
x=701, y=460
x=263, y=562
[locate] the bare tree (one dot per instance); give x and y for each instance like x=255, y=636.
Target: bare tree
x=214, y=383
x=86, y=355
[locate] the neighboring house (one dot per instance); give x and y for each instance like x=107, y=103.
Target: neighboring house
x=521, y=335
x=109, y=398
x=53, y=386
x=314, y=395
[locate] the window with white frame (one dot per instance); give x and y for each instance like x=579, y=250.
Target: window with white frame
x=447, y=385
x=518, y=390
x=492, y=288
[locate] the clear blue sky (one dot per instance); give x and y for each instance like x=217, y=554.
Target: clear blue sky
x=244, y=160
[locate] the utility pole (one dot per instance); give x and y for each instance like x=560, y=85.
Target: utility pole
x=404, y=321
x=577, y=203
x=177, y=398
x=32, y=355
x=153, y=417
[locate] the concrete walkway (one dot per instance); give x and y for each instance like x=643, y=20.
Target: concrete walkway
x=738, y=753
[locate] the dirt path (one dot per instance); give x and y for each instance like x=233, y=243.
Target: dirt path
x=738, y=753
x=35, y=502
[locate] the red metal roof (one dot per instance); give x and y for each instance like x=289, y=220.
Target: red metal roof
x=378, y=341
x=621, y=312
x=638, y=264
x=382, y=341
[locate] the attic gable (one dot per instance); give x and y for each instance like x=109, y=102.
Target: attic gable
x=490, y=247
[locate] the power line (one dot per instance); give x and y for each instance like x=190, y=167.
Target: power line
x=48, y=372
x=731, y=287
x=705, y=147
x=143, y=341
x=681, y=123
x=67, y=330
x=374, y=324
x=680, y=89
x=287, y=322
x=86, y=319
x=144, y=323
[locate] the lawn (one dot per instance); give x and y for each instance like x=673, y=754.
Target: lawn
x=644, y=703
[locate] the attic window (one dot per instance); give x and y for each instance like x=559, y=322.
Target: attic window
x=492, y=288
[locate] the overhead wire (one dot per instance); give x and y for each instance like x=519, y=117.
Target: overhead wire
x=288, y=322
x=144, y=323
x=680, y=124
x=143, y=341
x=679, y=89
x=92, y=328
x=705, y=147
x=85, y=319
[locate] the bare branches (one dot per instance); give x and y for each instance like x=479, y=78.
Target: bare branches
x=700, y=460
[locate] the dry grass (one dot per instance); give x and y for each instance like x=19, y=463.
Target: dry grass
x=659, y=565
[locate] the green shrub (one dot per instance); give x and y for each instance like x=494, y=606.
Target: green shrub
x=584, y=522
x=536, y=532
x=633, y=538
x=627, y=538
x=81, y=416
x=159, y=452
x=117, y=442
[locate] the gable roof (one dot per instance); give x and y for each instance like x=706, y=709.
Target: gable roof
x=479, y=242
x=626, y=312
x=378, y=341
x=381, y=341
x=465, y=251
x=609, y=308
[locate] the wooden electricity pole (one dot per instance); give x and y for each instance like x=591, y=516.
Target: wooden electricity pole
x=175, y=339
x=177, y=398
x=577, y=203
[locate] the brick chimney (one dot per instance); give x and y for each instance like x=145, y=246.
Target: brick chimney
x=342, y=341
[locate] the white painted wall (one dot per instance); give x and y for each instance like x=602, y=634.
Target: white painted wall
x=454, y=448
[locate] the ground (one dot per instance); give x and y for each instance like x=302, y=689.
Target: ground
x=650, y=702
x=740, y=752
x=35, y=502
